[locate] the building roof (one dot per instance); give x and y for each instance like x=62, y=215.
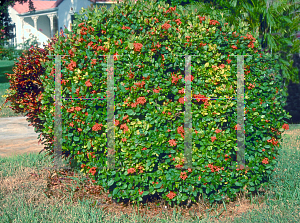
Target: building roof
x=38, y=5
x=42, y=5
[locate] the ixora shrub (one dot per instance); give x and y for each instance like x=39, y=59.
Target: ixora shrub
x=149, y=81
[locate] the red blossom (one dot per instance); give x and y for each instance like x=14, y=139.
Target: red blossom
x=201, y=19
x=166, y=26
x=218, y=131
x=171, y=195
x=213, y=138
x=88, y=83
x=285, y=126
x=137, y=47
x=172, y=142
x=181, y=100
x=97, y=127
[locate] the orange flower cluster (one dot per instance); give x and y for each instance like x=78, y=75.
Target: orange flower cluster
x=171, y=195
x=125, y=127
x=93, y=170
x=172, y=142
x=72, y=65
x=166, y=26
x=180, y=130
x=137, y=47
x=214, y=168
x=131, y=170
x=265, y=161
x=97, y=127
x=183, y=175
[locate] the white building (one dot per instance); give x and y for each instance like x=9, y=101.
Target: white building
x=48, y=19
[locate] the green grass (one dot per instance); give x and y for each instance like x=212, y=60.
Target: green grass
x=5, y=67
x=30, y=193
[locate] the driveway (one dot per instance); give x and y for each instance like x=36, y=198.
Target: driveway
x=17, y=137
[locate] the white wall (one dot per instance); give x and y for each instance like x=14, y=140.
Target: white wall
x=15, y=19
x=64, y=15
x=63, y=19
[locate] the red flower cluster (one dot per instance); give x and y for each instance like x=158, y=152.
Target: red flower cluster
x=97, y=127
x=90, y=154
x=131, y=170
x=171, y=195
x=166, y=26
x=88, y=83
x=227, y=156
x=93, y=170
x=201, y=19
x=157, y=90
x=125, y=127
x=175, y=79
x=214, y=168
x=180, y=130
x=265, y=161
x=273, y=141
x=137, y=47
x=72, y=65
x=172, y=142
x=183, y=175
x=140, y=84
x=213, y=22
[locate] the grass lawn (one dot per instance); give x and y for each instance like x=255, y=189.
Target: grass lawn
x=31, y=193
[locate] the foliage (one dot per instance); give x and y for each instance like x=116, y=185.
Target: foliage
x=279, y=19
x=149, y=136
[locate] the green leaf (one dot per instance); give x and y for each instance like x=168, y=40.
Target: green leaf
x=238, y=184
x=145, y=193
x=158, y=185
x=122, y=88
x=76, y=138
x=160, y=190
x=252, y=188
x=110, y=182
x=124, y=186
x=130, y=112
x=115, y=191
x=138, y=155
